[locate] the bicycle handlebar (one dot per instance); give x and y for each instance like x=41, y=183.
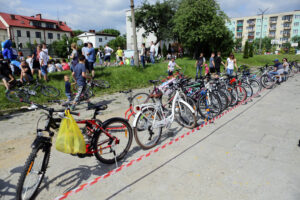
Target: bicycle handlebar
x=49, y=109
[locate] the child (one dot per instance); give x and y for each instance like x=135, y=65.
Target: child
x=29, y=61
x=58, y=66
x=206, y=69
x=65, y=65
x=132, y=61
x=51, y=67
x=68, y=91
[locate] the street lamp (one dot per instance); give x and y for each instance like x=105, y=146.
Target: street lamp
x=262, y=12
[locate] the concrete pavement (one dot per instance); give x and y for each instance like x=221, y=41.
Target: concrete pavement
x=250, y=153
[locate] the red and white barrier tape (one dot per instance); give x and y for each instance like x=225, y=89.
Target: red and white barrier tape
x=122, y=167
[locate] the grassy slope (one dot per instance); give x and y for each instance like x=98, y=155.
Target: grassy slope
x=128, y=77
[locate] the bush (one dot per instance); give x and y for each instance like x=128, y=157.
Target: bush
x=164, y=51
x=292, y=50
x=246, y=51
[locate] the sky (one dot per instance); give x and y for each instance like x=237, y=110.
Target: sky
x=101, y=14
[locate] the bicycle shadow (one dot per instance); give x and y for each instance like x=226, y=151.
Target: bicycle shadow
x=7, y=189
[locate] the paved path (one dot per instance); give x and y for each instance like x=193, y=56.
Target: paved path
x=250, y=153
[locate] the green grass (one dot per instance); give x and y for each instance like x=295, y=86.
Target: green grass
x=128, y=77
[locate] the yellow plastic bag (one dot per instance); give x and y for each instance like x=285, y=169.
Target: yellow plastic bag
x=70, y=139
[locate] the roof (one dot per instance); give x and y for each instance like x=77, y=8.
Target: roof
x=2, y=26
x=24, y=21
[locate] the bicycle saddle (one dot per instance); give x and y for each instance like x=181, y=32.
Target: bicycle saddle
x=97, y=106
x=153, y=81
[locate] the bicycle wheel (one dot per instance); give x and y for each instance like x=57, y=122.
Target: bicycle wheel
x=101, y=84
x=50, y=91
x=255, y=86
x=265, y=81
x=223, y=99
x=242, y=93
x=17, y=96
x=234, y=96
x=228, y=95
x=33, y=173
x=147, y=132
x=248, y=89
x=209, y=106
x=185, y=116
x=141, y=98
x=107, y=150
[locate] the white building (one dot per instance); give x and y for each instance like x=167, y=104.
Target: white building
x=141, y=38
x=96, y=39
x=24, y=29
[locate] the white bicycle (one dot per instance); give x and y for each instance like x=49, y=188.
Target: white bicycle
x=153, y=117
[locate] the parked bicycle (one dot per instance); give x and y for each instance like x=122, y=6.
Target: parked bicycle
x=108, y=141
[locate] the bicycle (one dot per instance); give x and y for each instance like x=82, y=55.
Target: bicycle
x=153, y=117
x=24, y=91
x=108, y=141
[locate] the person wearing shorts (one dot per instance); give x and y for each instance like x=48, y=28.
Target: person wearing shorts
x=5, y=74
x=26, y=75
x=107, y=53
x=212, y=68
x=44, y=62
x=36, y=68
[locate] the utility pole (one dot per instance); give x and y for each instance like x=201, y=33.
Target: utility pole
x=136, y=55
x=262, y=12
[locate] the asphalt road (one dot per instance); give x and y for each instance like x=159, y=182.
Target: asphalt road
x=250, y=153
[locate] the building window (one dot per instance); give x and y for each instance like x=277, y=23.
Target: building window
x=18, y=33
x=28, y=34
x=258, y=20
x=36, y=23
x=100, y=39
x=105, y=38
x=257, y=33
x=58, y=36
x=296, y=24
x=295, y=31
x=297, y=16
x=49, y=25
x=50, y=35
x=38, y=34
x=281, y=32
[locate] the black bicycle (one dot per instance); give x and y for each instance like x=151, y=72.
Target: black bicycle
x=25, y=91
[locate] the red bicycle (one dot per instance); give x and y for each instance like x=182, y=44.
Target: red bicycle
x=108, y=141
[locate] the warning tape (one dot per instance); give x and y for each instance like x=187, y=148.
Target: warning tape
x=147, y=155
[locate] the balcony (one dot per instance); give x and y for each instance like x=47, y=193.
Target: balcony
x=239, y=36
x=272, y=28
x=251, y=23
x=286, y=35
x=250, y=36
x=273, y=22
x=239, y=31
x=271, y=35
x=251, y=31
x=287, y=28
x=239, y=24
x=287, y=20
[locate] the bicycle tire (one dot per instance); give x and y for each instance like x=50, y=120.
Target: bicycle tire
x=141, y=98
x=17, y=95
x=266, y=82
x=28, y=168
x=228, y=94
x=223, y=98
x=211, y=108
x=50, y=91
x=185, y=116
x=256, y=86
x=248, y=89
x=234, y=96
x=114, y=127
x=143, y=132
x=103, y=84
x=242, y=93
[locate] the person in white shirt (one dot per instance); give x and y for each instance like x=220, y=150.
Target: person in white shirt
x=171, y=66
x=142, y=55
x=44, y=61
x=29, y=61
x=152, y=52
x=230, y=64
x=107, y=53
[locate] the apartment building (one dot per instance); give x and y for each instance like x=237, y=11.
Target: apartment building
x=97, y=39
x=280, y=27
x=23, y=29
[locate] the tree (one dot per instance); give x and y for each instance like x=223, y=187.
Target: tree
x=246, y=50
x=118, y=42
x=250, y=50
x=164, y=51
x=169, y=48
x=110, y=31
x=238, y=44
x=156, y=18
x=265, y=43
x=200, y=26
x=292, y=51
x=60, y=47
x=296, y=39
x=77, y=32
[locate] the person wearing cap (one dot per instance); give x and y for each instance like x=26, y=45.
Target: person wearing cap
x=171, y=66
x=278, y=69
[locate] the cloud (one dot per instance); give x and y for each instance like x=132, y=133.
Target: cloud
x=100, y=14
